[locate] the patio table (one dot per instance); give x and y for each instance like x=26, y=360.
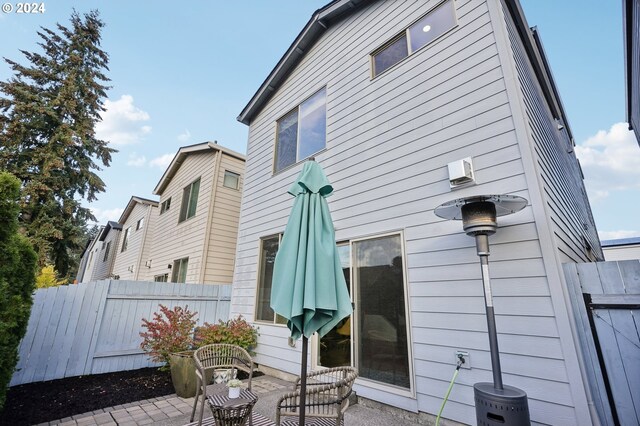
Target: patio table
x=231, y=411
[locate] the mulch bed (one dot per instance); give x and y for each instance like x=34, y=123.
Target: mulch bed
x=40, y=402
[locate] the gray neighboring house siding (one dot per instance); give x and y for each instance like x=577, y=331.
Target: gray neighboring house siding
x=103, y=263
x=479, y=91
x=631, y=24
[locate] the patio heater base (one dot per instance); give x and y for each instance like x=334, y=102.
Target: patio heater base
x=508, y=406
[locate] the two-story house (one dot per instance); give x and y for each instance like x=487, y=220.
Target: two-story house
x=384, y=95
x=132, y=254
x=195, y=232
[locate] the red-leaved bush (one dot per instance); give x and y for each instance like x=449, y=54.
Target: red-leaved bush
x=170, y=331
x=235, y=332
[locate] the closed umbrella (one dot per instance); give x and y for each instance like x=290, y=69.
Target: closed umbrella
x=309, y=288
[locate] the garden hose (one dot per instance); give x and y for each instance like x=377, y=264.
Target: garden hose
x=446, y=397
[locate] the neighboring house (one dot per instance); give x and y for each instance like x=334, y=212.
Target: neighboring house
x=105, y=255
x=197, y=225
x=384, y=95
x=132, y=254
x=87, y=259
x=621, y=249
x=631, y=25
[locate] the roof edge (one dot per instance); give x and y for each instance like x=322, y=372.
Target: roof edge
x=182, y=153
x=319, y=23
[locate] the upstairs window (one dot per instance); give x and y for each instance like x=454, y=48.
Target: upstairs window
x=189, y=201
x=302, y=132
x=436, y=22
x=106, y=252
x=231, y=180
x=125, y=239
x=140, y=224
x=166, y=205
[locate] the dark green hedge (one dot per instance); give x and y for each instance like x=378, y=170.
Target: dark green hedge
x=17, y=280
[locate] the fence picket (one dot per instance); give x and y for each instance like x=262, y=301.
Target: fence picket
x=94, y=327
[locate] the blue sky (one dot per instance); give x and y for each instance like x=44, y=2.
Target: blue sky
x=182, y=72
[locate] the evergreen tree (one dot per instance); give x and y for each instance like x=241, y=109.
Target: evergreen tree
x=47, y=136
x=17, y=280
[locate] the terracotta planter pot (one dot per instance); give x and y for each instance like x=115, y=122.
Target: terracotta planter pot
x=183, y=373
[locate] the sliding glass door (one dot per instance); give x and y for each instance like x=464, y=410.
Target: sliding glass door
x=375, y=338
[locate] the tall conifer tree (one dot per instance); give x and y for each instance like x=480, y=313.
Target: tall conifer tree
x=48, y=113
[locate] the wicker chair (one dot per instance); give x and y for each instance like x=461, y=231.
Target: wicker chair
x=327, y=395
x=213, y=357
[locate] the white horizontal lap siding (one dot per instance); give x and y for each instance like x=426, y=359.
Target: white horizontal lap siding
x=150, y=229
x=103, y=268
x=388, y=142
x=126, y=262
x=559, y=208
x=173, y=240
x=563, y=185
x=224, y=224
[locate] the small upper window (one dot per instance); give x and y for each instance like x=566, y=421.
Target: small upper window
x=125, y=239
x=106, y=252
x=140, y=224
x=189, y=201
x=166, y=205
x=431, y=26
x=231, y=180
x=302, y=132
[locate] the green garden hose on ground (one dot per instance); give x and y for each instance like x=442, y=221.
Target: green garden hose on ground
x=446, y=397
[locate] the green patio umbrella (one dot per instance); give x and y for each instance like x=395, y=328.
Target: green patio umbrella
x=309, y=288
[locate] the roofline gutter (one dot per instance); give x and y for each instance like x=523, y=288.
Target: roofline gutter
x=312, y=31
x=627, y=10
x=533, y=46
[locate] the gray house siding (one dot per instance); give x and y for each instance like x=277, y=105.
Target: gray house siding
x=103, y=267
x=631, y=10
x=561, y=178
x=389, y=140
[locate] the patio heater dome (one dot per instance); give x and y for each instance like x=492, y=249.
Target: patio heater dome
x=496, y=404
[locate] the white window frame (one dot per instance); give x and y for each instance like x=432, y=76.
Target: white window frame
x=282, y=322
x=233, y=175
x=165, y=206
x=125, y=239
x=407, y=35
x=298, y=157
x=187, y=193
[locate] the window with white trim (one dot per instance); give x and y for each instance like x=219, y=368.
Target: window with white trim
x=189, y=201
x=435, y=23
x=166, y=205
x=125, y=239
x=179, y=270
x=231, y=180
x=302, y=132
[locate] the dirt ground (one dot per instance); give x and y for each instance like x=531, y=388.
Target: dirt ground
x=35, y=403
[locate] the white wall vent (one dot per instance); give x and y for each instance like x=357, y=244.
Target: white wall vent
x=461, y=172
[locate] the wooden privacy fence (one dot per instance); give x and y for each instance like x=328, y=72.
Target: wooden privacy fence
x=93, y=328
x=605, y=298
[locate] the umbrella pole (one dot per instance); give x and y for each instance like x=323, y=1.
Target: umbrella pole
x=303, y=379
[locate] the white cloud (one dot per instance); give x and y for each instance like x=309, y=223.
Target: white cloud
x=610, y=161
x=102, y=216
x=136, y=161
x=162, y=161
x=184, y=137
x=122, y=122
x=616, y=235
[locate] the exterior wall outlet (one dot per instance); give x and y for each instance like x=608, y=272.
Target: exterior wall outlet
x=463, y=356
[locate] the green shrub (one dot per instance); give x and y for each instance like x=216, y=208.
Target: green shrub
x=235, y=332
x=17, y=280
x=170, y=331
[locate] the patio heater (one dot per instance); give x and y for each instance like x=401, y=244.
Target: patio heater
x=496, y=403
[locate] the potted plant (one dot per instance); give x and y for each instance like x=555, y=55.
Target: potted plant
x=169, y=339
x=234, y=388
